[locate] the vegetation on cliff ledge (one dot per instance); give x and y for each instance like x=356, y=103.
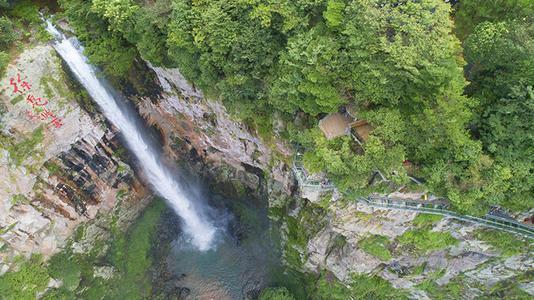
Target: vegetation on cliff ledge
x=127, y=262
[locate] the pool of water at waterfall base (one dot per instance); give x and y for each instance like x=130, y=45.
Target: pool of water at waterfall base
x=243, y=260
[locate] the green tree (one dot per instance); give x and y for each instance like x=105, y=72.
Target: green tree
x=7, y=33
x=228, y=51
x=110, y=50
x=470, y=13
x=308, y=74
x=500, y=57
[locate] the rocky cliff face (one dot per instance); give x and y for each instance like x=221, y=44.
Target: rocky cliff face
x=59, y=164
x=377, y=242
x=334, y=234
x=191, y=123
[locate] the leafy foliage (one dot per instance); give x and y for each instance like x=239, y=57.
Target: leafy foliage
x=276, y=294
x=422, y=239
x=31, y=278
x=501, y=56
x=361, y=287
x=396, y=62
x=20, y=151
x=25, y=10
x=110, y=51
x=4, y=61
x=7, y=33
x=425, y=220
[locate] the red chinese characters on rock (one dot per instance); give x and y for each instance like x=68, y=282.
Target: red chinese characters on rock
x=23, y=84
x=36, y=101
x=44, y=116
x=39, y=111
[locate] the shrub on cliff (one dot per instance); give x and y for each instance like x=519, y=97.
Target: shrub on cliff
x=280, y=293
x=7, y=33
x=31, y=278
x=4, y=61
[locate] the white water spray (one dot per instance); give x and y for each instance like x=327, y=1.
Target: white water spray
x=196, y=223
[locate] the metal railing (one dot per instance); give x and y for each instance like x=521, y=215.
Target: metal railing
x=431, y=207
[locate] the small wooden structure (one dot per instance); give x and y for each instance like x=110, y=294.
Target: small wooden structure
x=361, y=129
x=335, y=125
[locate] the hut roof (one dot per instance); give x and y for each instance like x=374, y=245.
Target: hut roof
x=363, y=129
x=335, y=124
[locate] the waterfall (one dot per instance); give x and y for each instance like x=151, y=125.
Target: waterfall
x=197, y=225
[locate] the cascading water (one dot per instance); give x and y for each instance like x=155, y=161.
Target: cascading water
x=196, y=223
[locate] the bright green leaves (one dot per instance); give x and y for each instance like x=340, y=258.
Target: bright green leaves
x=423, y=239
x=110, y=50
x=334, y=13
x=119, y=13
x=225, y=48
x=307, y=78
x=361, y=286
x=7, y=37
x=500, y=55
x=31, y=278
x=401, y=53
x=276, y=294
x=397, y=62
x=350, y=171
x=376, y=245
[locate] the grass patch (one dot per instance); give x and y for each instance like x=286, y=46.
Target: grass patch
x=453, y=290
x=16, y=199
x=418, y=270
x=424, y=240
x=376, y=245
x=16, y=99
x=53, y=86
x=19, y=152
x=7, y=228
x=361, y=287
x=508, y=244
x=363, y=216
x=53, y=168
x=424, y=220
x=31, y=278
x=280, y=293
x=509, y=288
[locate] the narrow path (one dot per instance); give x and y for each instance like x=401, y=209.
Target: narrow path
x=490, y=221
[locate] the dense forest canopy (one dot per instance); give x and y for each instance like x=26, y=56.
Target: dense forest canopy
x=447, y=88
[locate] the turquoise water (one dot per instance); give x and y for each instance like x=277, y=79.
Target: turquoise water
x=244, y=260
x=231, y=271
